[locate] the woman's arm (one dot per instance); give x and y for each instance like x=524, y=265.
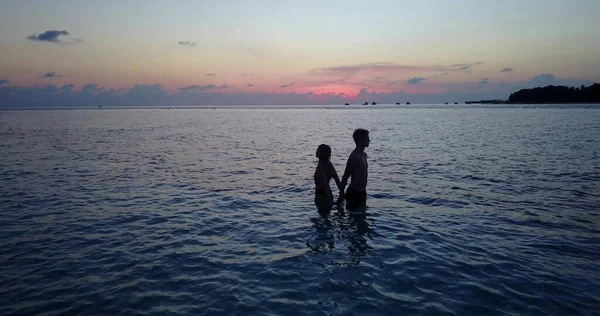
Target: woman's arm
x=335, y=177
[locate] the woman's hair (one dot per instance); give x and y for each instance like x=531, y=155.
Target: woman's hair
x=323, y=152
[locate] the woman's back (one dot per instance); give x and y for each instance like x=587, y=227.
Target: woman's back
x=322, y=175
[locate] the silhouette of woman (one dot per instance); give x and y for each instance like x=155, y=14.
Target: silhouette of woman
x=323, y=174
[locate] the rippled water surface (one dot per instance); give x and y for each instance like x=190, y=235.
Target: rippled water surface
x=201, y=211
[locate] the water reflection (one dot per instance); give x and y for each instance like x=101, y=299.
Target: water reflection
x=357, y=232
x=350, y=231
x=325, y=240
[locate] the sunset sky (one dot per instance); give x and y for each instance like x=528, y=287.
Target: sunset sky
x=74, y=52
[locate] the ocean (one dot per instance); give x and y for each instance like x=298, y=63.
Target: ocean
x=192, y=211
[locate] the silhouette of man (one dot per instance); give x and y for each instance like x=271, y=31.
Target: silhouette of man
x=357, y=169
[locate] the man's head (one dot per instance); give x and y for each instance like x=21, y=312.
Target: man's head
x=361, y=137
x=323, y=152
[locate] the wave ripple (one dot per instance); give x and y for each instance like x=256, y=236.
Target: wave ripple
x=195, y=211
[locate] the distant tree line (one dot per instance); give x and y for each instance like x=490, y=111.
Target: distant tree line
x=486, y=102
x=557, y=94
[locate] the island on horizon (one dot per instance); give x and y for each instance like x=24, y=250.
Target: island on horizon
x=550, y=94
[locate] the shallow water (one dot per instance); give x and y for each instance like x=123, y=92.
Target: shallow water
x=198, y=211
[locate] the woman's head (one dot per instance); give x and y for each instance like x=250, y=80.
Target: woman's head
x=323, y=152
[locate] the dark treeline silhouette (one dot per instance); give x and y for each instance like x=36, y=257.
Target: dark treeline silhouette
x=485, y=102
x=557, y=94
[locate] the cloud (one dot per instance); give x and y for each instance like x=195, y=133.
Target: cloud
x=211, y=74
x=322, y=83
x=198, y=88
x=348, y=71
x=52, y=75
x=361, y=75
x=204, y=87
x=145, y=95
x=250, y=85
x=53, y=36
x=506, y=70
x=484, y=81
x=444, y=74
x=370, y=66
x=3, y=81
x=187, y=43
x=549, y=79
x=145, y=88
x=90, y=88
x=363, y=93
x=48, y=36
x=542, y=80
x=287, y=85
x=415, y=80
x=368, y=74
x=392, y=82
x=92, y=94
x=459, y=65
x=465, y=66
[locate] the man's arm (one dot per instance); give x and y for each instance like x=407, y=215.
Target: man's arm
x=347, y=173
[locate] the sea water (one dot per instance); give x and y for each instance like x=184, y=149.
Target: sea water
x=201, y=211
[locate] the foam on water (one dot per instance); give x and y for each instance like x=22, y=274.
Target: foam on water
x=197, y=211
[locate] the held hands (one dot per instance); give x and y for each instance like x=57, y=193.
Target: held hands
x=340, y=198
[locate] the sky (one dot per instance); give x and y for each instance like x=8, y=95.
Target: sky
x=150, y=52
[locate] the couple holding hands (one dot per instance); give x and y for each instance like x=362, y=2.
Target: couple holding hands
x=356, y=170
